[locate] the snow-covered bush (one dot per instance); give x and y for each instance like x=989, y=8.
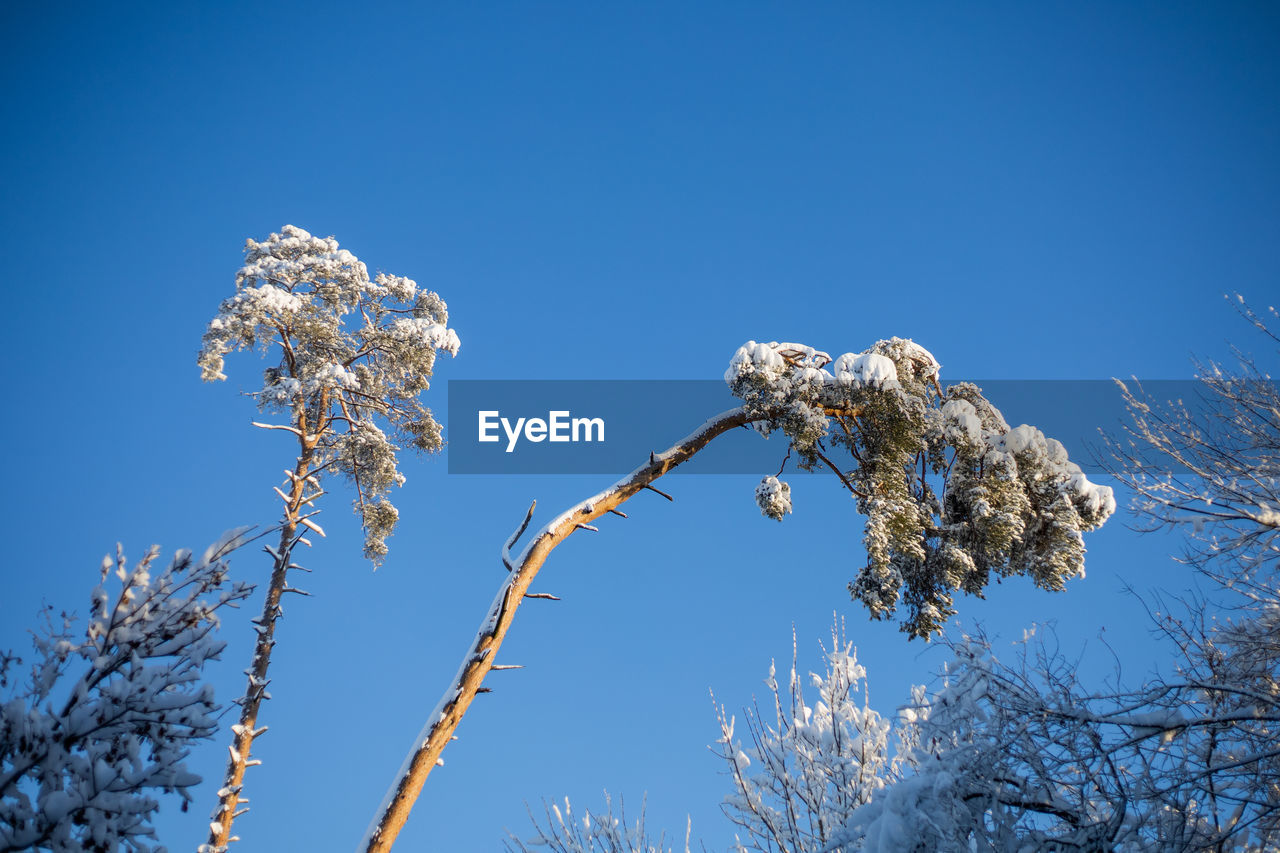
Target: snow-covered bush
x=799, y=779
x=952, y=493
x=593, y=833
x=1005, y=758
x=1014, y=756
x=109, y=714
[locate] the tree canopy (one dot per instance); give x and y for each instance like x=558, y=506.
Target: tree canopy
x=952, y=494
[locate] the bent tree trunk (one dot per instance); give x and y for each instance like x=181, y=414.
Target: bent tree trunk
x=481, y=656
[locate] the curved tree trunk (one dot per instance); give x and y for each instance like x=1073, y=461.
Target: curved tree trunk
x=481, y=656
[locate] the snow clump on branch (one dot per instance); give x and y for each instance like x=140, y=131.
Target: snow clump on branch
x=774, y=498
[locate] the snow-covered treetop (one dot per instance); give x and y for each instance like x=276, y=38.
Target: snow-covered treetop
x=355, y=353
x=951, y=492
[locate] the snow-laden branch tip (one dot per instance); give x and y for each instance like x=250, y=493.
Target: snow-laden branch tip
x=953, y=495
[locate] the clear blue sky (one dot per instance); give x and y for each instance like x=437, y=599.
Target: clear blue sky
x=1059, y=190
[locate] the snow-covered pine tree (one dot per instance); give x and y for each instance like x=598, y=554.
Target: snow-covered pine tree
x=107, y=719
x=951, y=492
x=351, y=355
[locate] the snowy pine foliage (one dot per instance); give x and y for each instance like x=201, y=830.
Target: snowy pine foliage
x=106, y=721
x=343, y=385
x=952, y=494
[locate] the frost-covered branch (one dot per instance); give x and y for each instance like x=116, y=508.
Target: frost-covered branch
x=1021, y=755
x=1211, y=466
x=799, y=779
x=108, y=717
